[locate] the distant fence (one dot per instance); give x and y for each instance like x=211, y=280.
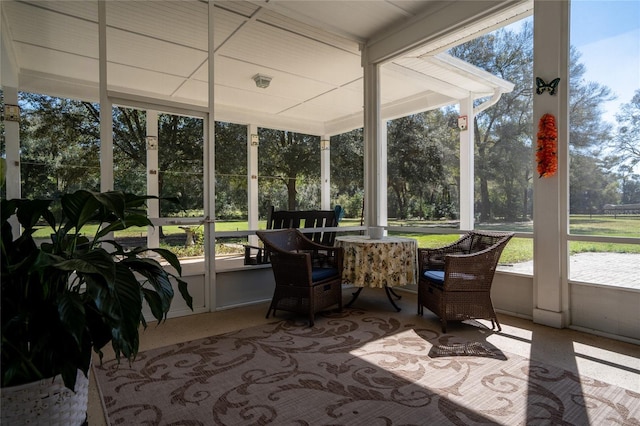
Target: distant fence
x=616, y=209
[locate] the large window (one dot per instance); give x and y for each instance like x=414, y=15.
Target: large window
x=604, y=146
x=347, y=174
x=129, y=150
x=424, y=152
x=423, y=168
x=180, y=161
x=503, y=132
x=59, y=146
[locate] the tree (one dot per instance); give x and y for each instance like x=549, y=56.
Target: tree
x=231, y=171
x=417, y=148
x=59, y=147
x=627, y=139
x=592, y=186
x=285, y=157
x=503, y=132
x=347, y=171
x=181, y=162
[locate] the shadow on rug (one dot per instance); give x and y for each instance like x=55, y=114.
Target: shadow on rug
x=351, y=368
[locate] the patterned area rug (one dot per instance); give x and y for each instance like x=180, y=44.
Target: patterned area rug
x=353, y=368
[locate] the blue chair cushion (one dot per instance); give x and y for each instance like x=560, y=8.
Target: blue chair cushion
x=436, y=277
x=319, y=274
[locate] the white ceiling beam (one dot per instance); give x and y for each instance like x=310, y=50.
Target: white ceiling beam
x=441, y=19
x=275, y=7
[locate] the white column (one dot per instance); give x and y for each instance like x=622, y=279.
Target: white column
x=209, y=132
x=106, y=113
x=12, y=151
x=9, y=84
x=253, y=143
x=550, y=208
x=375, y=150
x=325, y=172
x=153, y=187
x=467, y=172
x=12, y=147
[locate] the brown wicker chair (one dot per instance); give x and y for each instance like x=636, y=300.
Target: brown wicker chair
x=308, y=275
x=455, y=280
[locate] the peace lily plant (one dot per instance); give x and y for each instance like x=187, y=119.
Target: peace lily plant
x=75, y=293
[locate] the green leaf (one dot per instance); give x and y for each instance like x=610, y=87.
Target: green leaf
x=72, y=315
x=156, y=276
x=29, y=212
x=97, y=261
x=127, y=222
x=184, y=292
x=155, y=303
x=113, y=201
x=126, y=306
x=79, y=208
x=167, y=255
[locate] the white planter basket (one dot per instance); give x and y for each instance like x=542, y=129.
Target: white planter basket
x=46, y=402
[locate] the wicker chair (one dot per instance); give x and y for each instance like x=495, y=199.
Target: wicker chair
x=455, y=280
x=308, y=275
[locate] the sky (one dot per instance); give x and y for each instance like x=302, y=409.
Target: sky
x=607, y=33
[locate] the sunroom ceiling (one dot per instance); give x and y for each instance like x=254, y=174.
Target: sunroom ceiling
x=158, y=51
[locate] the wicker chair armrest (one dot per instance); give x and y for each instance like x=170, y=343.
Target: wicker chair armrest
x=286, y=253
x=322, y=255
x=434, y=258
x=305, y=243
x=286, y=244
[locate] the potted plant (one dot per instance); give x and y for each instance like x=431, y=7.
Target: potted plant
x=65, y=297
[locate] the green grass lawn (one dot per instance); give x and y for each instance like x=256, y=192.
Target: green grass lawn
x=518, y=250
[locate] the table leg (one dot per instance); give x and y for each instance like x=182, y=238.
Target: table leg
x=397, y=296
x=354, y=297
x=389, y=293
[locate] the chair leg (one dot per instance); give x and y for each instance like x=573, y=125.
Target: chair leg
x=272, y=307
x=494, y=322
x=444, y=325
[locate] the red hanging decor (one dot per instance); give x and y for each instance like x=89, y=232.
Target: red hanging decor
x=547, y=154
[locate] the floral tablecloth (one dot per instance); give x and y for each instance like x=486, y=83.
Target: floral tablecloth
x=390, y=261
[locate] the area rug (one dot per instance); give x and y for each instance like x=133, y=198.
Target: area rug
x=353, y=368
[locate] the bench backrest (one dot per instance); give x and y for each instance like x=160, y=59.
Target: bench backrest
x=282, y=219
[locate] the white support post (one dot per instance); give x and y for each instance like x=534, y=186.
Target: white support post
x=325, y=172
x=9, y=84
x=12, y=140
x=375, y=150
x=153, y=188
x=467, y=164
x=550, y=213
x=209, y=132
x=253, y=143
x=12, y=150
x=106, y=113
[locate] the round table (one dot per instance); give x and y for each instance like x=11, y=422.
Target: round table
x=384, y=263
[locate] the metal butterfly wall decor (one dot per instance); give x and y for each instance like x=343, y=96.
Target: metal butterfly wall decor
x=541, y=86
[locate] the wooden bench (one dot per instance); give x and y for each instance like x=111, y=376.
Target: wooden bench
x=283, y=219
